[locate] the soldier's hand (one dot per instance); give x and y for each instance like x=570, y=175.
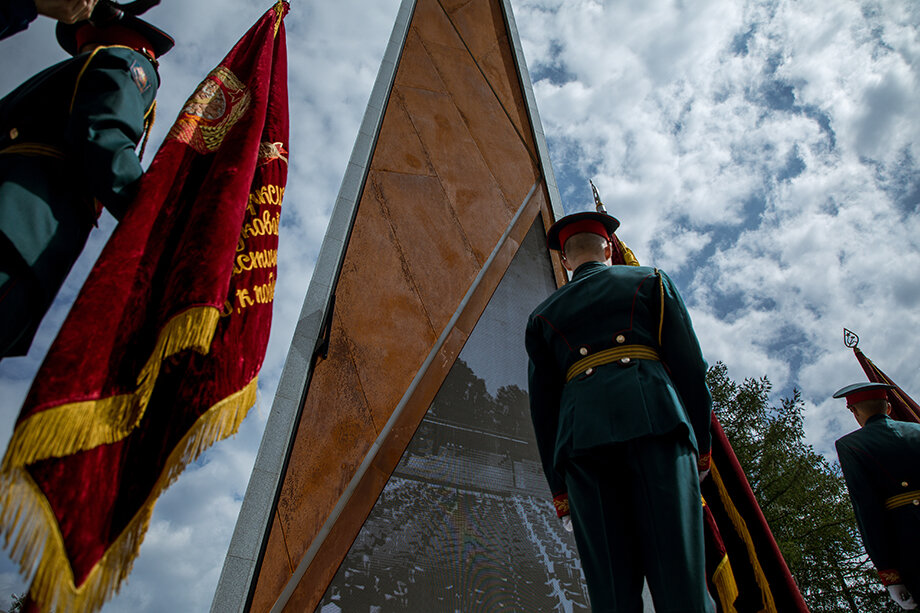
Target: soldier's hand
x=901, y=596
x=567, y=523
x=68, y=11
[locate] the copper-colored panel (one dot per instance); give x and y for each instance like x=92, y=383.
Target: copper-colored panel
x=415, y=67
x=313, y=584
x=452, y=5
x=275, y=572
x=498, y=68
x=472, y=190
x=432, y=24
x=404, y=152
x=333, y=435
x=420, y=401
x=482, y=27
x=378, y=302
x=439, y=256
x=500, y=145
x=493, y=276
x=454, y=160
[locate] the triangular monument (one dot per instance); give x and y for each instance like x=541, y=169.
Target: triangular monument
x=405, y=385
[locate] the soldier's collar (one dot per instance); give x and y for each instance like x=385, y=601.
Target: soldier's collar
x=586, y=267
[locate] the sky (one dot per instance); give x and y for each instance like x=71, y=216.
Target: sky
x=763, y=152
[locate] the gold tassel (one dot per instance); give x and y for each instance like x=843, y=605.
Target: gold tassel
x=741, y=528
x=77, y=426
x=724, y=580
x=628, y=256
x=279, y=15
x=38, y=545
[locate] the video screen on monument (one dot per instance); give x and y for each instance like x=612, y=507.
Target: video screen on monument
x=466, y=521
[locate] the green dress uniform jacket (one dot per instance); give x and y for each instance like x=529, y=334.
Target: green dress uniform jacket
x=67, y=141
x=622, y=438
x=604, y=307
x=15, y=16
x=881, y=465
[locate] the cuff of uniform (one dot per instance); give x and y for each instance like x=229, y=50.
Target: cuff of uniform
x=890, y=577
x=705, y=462
x=561, y=502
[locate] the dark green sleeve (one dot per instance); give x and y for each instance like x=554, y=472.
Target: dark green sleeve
x=682, y=354
x=867, y=505
x=112, y=97
x=545, y=388
x=15, y=16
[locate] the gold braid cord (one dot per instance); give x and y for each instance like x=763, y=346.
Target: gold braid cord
x=742, y=530
x=279, y=15
x=723, y=578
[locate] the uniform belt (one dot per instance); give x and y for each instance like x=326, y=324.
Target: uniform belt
x=637, y=352
x=33, y=149
x=902, y=500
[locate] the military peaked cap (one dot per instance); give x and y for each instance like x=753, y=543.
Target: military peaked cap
x=117, y=19
x=588, y=221
x=858, y=392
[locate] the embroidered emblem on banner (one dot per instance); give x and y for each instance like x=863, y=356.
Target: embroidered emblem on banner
x=212, y=111
x=272, y=151
x=139, y=76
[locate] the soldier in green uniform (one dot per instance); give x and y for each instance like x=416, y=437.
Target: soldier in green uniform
x=622, y=414
x=67, y=147
x=881, y=465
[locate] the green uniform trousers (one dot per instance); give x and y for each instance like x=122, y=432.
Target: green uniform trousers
x=637, y=512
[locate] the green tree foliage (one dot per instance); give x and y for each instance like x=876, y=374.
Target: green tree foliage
x=802, y=495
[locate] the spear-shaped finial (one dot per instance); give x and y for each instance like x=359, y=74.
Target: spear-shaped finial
x=850, y=339
x=597, y=199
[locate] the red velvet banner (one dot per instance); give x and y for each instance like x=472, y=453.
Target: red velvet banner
x=160, y=353
x=903, y=407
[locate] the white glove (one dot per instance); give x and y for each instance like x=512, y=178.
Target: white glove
x=900, y=595
x=567, y=524
x=703, y=474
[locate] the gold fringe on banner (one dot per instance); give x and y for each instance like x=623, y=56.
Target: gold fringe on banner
x=742, y=530
x=37, y=542
x=78, y=426
x=724, y=580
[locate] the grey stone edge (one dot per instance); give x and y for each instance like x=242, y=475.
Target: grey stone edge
x=252, y=527
x=555, y=200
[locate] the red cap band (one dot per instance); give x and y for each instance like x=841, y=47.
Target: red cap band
x=876, y=393
x=112, y=35
x=584, y=225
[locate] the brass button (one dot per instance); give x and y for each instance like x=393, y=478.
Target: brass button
x=621, y=339
x=589, y=371
x=14, y=133
x=916, y=502
x=903, y=483
x=583, y=351
x=625, y=361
